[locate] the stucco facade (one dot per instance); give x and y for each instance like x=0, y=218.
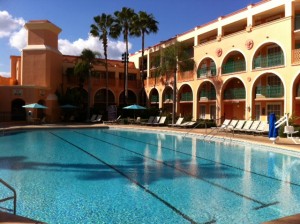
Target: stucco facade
x=41, y=72
x=247, y=66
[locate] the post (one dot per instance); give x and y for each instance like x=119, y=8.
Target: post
x=89, y=94
x=174, y=92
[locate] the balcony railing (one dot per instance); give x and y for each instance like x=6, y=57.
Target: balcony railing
x=235, y=93
x=233, y=66
x=154, y=99
x=270, y=91
x=210, y=95
x=206, y=71
x=298, y=91
x=269, y=60
x=186, y=97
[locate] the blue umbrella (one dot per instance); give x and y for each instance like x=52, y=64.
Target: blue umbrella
x=135, y=107
x=273, y=131
x=35, y=105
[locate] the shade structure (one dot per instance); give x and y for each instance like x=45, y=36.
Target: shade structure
x=135, y=107
x=35, y=106
x=273, y=131
x=68, y=106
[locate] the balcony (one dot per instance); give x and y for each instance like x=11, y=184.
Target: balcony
x=154, y=99
x=186, y=97
x=269, y=60
x=206, y=72
x=233, y=66
x=234, y=93
x=207, y=95
x=269, y=91
x=168, y=98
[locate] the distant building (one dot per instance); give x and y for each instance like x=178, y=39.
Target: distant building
x=247, y=66
x=41, y=74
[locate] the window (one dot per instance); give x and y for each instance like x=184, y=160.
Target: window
x=212, y=112
x=202, y=111
x=274, y=108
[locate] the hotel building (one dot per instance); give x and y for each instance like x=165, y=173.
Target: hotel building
x=247, y=65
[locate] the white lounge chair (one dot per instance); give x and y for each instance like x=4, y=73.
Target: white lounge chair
x=262, y=128
x=154, y=121
x=93, y=117
x=231, y=125
x=253, y=127
x=246, y=126
x=178, y=122
x=224, y=125
x=150, y=120
x=162, y=121
x=239, y=125
x=188, y=124
x=97, y=119
x=116, y=121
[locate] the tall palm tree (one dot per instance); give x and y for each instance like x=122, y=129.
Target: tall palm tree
x=143, y=23
x=123, y=24
x=83, y=70
x=101, y=29
x=173, y=58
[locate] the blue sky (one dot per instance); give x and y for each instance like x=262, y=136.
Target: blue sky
x=75, y=17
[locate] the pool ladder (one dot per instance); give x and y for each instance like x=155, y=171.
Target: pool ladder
x=14, y=197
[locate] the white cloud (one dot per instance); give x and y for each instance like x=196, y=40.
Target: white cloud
x=115, y=48
x=13, y=28
x=5, y=74
x=18, y=39
x=8, y=24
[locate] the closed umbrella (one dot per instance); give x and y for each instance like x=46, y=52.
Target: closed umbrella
x=273, y=131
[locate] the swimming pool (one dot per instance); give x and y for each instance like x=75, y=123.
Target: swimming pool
x=122, y=176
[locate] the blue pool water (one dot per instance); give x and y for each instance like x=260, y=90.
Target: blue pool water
x=120, y=176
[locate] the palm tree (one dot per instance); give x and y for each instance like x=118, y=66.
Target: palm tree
x=123, y=24
x=83, y=70
x=143, y=23
x=173, y=58
x=101, y=28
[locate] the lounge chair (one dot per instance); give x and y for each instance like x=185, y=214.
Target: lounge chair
x=116, y=121
x=188, y=124
x=97, y=119
x=154, y=121
x=263, y=128
x=231, y=125
x=253, y=127
x=239, y=125
x=150, y=120
x=93, y=117
x=178, y=122
x=161, y=122
x=224, y=125
x=246, y=126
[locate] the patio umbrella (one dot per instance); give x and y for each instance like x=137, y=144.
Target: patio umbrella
x=134, y=107
x=35, y=106
x=273, y=131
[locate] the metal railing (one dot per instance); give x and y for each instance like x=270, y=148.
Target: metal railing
x=233, y=66
x=270, y=91
x=235, y=93
x=269, y=60
x=14, y=197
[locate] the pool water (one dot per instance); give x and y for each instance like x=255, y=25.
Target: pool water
x=121, y=176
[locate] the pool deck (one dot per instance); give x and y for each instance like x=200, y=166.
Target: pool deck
x=281, y=143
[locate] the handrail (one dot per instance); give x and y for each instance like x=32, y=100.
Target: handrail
x=12, y=197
